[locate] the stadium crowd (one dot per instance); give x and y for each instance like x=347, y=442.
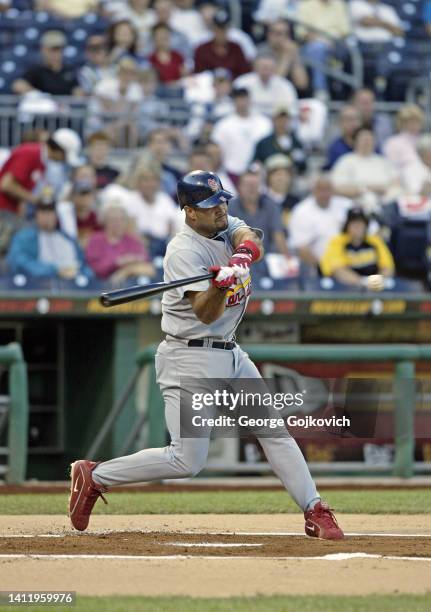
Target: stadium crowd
x=338, y=201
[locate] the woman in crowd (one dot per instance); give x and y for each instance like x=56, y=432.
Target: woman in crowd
x=114, y=252
x=400, y=149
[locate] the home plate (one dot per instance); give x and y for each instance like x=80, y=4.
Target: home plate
x=211, y=544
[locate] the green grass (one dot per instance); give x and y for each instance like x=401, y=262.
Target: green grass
x=236, y=502
x=303, y=603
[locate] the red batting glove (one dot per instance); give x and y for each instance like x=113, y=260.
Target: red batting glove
x=224, y=277
x=245, y=254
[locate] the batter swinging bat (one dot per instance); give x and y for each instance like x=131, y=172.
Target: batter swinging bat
x=141, y=292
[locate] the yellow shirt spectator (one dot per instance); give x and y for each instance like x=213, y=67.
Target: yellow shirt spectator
x=372, y=256
x=329, y=16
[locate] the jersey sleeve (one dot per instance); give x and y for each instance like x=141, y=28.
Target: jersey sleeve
x=185, y=263
x=234, y=224
x=384, y=256
x=334, y=257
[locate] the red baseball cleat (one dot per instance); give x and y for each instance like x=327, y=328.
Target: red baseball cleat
x=321, y=523
x=84, y=493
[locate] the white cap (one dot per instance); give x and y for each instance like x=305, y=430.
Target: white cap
x=71, y=144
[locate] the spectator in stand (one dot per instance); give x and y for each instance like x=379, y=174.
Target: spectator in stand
x=416, y=177
x=237, y=134
x=278, y=42
x=199, y=159
x=364, y=100
x=179, y=42
x=426, y=16
x=328, y=17
x=279, y=181
x=267, y=89
x=270, y=11
x=97, y=66
x=355, y=257
x=67, y=9
x=315, y=220
x=121, y=93
x=282, y=140
x=220, y=52
x=136, y=12
x=257, y=210
x=51, y=75
x=400, y=149
x=156, y=215
x=159, y=149
x=208, y=8
x=98, y=149
x=349, y=121
x=375, y=22
x=168, y=63
x=41, y=250
x=27, y=164
x=122, y=41
x=77, y=217
x=365, y=175
x=185, y=18
x=115, y=253
x=216, y=165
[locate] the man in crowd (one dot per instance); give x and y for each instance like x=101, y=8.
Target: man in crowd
x=237, y=134
x=375, y=22
x=97, y=65
x=364, y=100
x=285, y=51
x=26, y=166
x=282, y=140
x=42, y=251
x=98, y=148
x=267, y=89
x=349, y=121
x=52, y=75
x=78, y=217
x=220, y=52
x=324, y=17
x=259, y=211
x=315, y=220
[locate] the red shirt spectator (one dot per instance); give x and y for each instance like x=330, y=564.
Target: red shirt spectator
x=170, y=70
x=26, y=164
x=220, y=52
x=168, y=63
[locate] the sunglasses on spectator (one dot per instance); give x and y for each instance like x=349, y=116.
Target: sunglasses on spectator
x=278, y=32
x=57, y=48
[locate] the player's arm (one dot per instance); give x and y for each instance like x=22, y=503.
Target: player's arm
x=246, y=233
x=208, y=305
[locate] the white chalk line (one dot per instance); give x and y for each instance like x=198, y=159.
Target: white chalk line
x=330, y=557
x=204, y=533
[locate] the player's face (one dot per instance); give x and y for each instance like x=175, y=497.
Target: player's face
x=209, y=221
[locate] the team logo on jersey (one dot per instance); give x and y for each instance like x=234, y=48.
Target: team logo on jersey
x=213, y=184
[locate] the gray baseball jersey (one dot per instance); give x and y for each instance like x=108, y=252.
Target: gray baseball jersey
x=190, y=254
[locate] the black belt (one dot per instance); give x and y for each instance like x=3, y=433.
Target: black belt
x=226, y=346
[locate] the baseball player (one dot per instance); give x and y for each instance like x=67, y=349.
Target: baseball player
x=199, y=321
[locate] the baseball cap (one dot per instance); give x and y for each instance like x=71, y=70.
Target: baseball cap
x=355, y=214
x=221, y=18
x=53, y=38
x=70, y=142
x=280, y=110
x=277, y=162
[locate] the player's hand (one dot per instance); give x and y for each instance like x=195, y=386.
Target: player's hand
x=375, y=282
x=244, y=255
x=224, y=277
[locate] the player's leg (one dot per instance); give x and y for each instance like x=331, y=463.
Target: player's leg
x=288, y=463
x=183, y=457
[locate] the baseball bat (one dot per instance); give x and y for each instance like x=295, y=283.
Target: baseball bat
x=141, y=292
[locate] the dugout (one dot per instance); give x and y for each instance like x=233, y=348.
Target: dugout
x=80, y=355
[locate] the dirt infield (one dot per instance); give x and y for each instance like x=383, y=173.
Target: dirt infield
x=215, y=555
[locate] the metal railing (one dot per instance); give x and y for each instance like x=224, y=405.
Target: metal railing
x=403, y=356
x=15, y=410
